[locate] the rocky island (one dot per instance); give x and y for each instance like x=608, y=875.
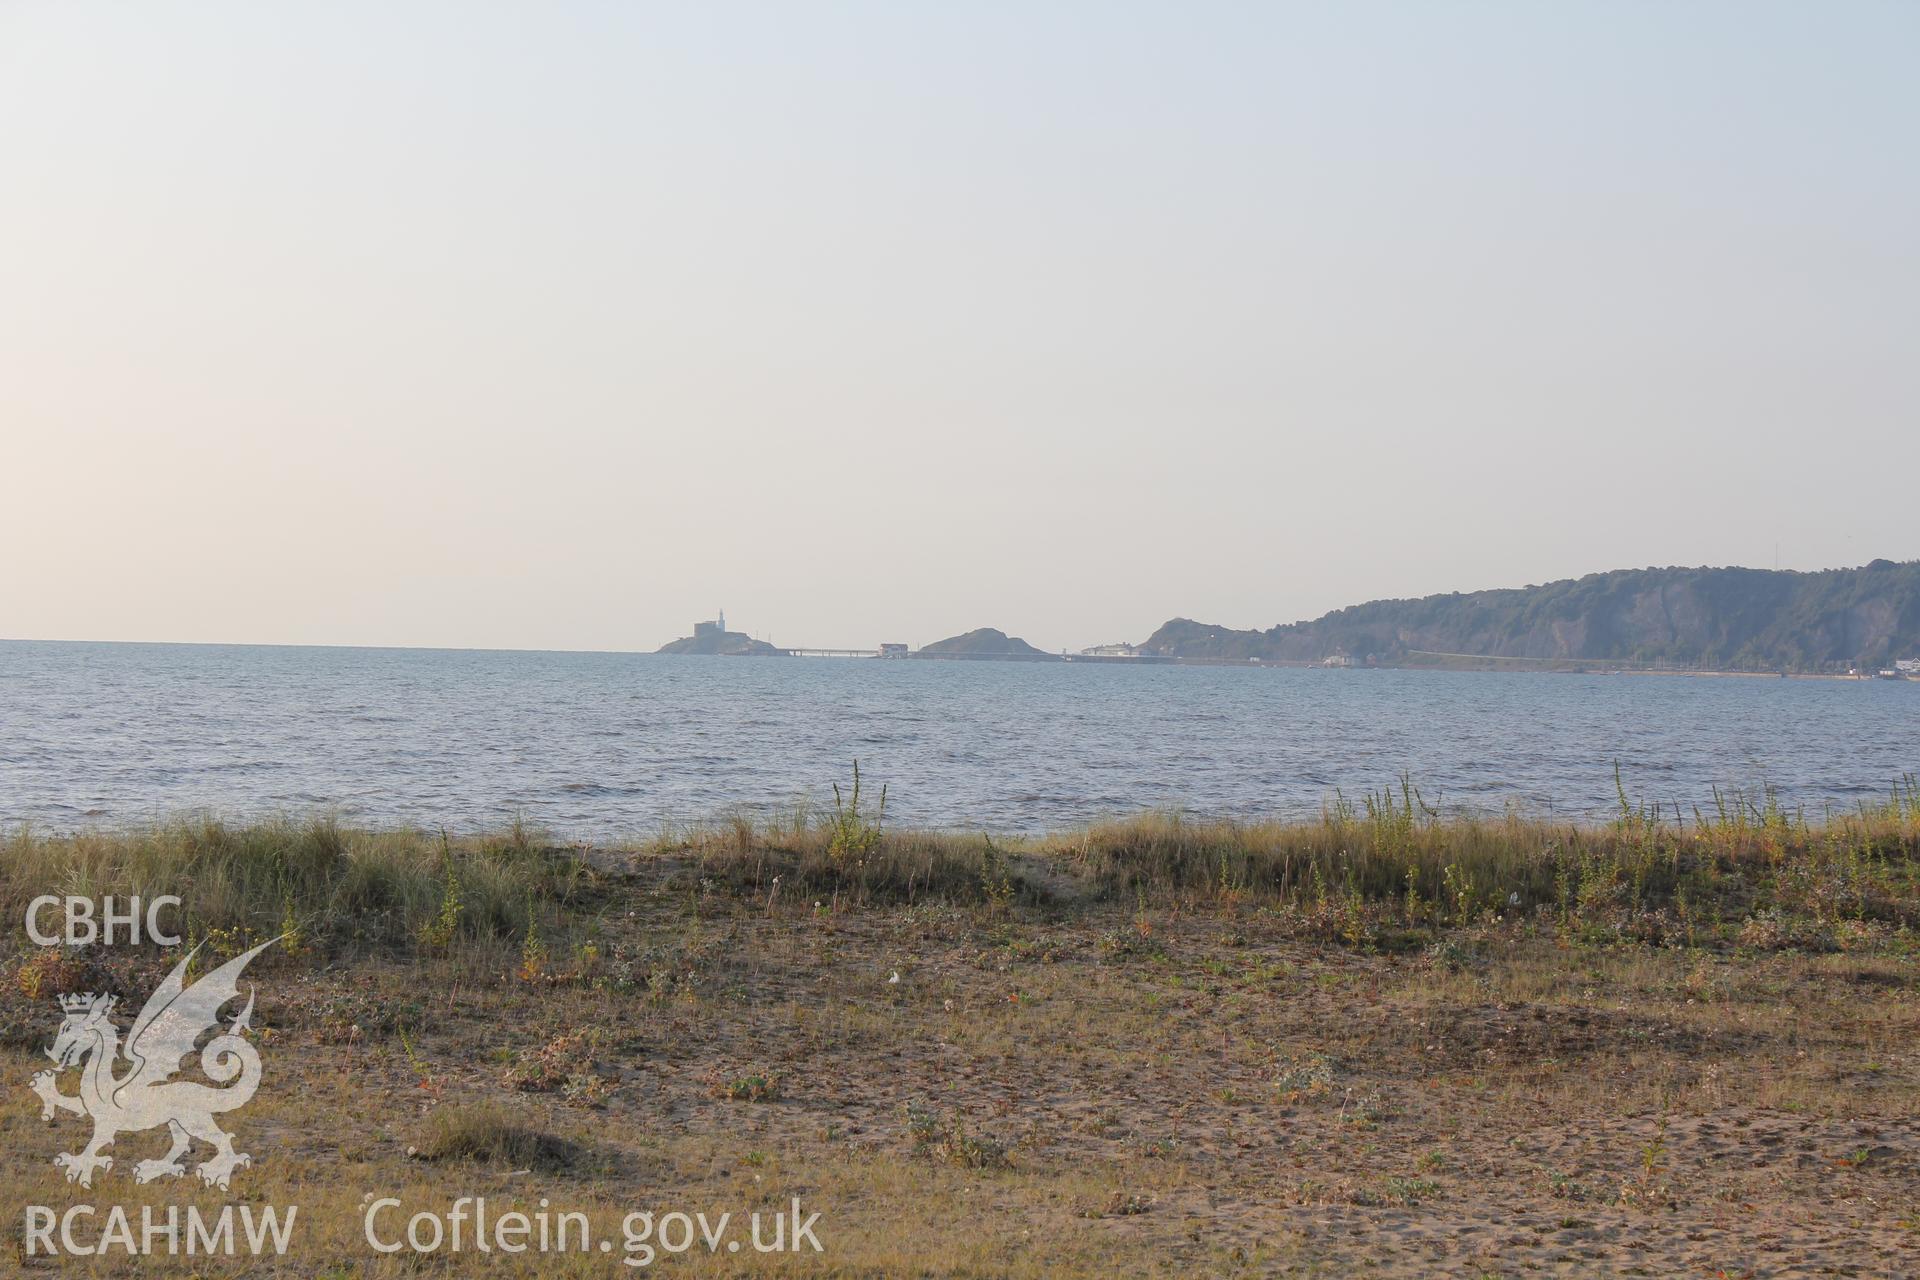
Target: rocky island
x=730, y=644
x=986, y=643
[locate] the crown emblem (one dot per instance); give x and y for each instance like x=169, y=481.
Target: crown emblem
x=84, y=1003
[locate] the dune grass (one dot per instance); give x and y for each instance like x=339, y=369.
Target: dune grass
x=1389, y=861
x=1390, y=857
x=323, y=886
x=1747, y=854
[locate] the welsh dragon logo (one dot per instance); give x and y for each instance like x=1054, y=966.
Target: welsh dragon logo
x=144, y=1095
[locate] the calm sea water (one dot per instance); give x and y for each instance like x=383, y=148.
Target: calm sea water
x=600, y=745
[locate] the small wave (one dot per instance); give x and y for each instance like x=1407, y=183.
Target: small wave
x=600, y=789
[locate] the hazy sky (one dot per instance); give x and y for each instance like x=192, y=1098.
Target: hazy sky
x=561, y=325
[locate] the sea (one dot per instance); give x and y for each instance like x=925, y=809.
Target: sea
x=614, y=746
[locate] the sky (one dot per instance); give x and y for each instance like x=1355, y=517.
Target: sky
x=566, y=325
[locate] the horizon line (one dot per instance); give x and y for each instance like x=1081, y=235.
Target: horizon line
x=1178, y=617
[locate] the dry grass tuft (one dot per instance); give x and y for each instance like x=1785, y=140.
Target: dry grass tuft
x=491, y=1134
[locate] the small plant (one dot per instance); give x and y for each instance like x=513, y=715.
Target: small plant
x=588, y=959
x=996, y=884
x=945, y=1138
x=1564, y=1186
x=1365, y=1111
x=225, y=944
x=533, y=952
x=1457, y=888
x=1121, y=1204
x=754, y=1088
x=49, y=971
x=567, y=1065
x=1445, y=953
x=851, y=835
x=293, y=938
x=438, y=933
x=1310, y=1076
x=417, y=1064
x=1408, y=1192
x=1651, y=1189
x=352, y=1016
x=1119, y=944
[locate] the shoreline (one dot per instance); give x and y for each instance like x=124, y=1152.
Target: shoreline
x=1461, y=662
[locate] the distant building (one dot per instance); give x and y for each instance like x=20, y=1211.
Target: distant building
x=893, y=651
x=716, y=628
x=1336, y=660
x=1111, y=651
x=1908, y=666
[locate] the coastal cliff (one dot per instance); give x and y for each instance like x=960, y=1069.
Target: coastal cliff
x=1735, y=619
